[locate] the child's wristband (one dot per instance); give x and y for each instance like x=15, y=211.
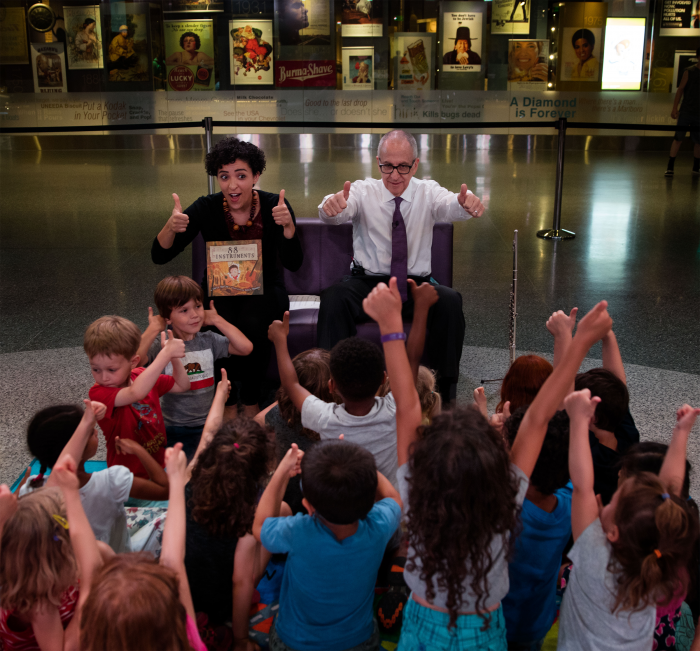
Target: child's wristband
x=394, y=336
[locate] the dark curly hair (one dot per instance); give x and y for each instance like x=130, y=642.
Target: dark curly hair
x=462, y=495
x=228, y=150
x=227, y=476
x=613, y=394
x=197, y=42
x=357, y=367
x=552, y=468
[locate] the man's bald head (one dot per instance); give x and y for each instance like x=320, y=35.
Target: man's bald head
x=398, y=136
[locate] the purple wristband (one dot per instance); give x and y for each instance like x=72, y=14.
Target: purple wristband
x=394, y=336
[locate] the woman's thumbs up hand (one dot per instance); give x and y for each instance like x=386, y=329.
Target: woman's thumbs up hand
x=283, y=218
x=178, y=220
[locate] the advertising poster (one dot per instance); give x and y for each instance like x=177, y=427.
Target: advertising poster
x=580, y=56
x=200, y=6
x=49, y=68
x=528, y=67
x=358, y=68
x=680, y=18
x=510, y=17
x=461, y=38
x=128, y=56
x=251, y=52
x=623, y=56
x=304, y=22
x=13, y=36
x=300, y=74
x=683, y=60
x=84, y=37
x=413, y=60
x=362, y=18
x=189, y=54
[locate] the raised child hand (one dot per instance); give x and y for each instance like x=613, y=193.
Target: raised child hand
x=480, y=401
x=64, y=474
x=291, y=462
x=580, y=406
x=8, y=504
x=175, y=462
x=211, y=316
x=686, y=416
x=178, y=220
x=224, y=386
x=99, y=409
x=595, y=325
x=424, y=295
x=126, y=446
x=279, y=330
x=498, y=419
x=383, y=304
x=174, y=347
x=338, y=202
x=155, y=321
x=560, y=324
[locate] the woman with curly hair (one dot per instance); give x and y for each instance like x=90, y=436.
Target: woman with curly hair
x=238, y=213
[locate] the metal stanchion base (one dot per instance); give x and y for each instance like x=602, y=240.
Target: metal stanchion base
x=554, y=234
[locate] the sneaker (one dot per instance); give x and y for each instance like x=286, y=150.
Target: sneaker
x=668, y=172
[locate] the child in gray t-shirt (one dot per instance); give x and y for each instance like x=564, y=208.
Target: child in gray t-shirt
x=179, y=300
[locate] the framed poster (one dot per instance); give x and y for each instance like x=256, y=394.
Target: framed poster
x=304, y=22
x=680, y=18
x=682, y=61
x=189, y=54
x=461, y=38
x=84, y=37
x=510, y=17
x=528, y=67
x=13, y=36
x=413, y=60
x=579, y=56
x=362, y=18
x=623, y=56
x=128, y=52
x=358, y=68
x=251, y=52
x=195, y=6
x=49, y=68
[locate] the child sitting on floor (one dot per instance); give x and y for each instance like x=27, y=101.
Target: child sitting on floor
x=180, y=303
x=131, y=395
x=65, y=429
x=334, y=553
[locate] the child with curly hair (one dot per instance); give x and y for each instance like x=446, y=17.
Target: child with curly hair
x=462, y=492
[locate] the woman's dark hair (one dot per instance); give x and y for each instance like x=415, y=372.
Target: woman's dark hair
x=227, y=477
x=552, y=468
x=313, y=371
x=197, y=42
x=462, y=495
x=49, y=431
x=585, y=34
x=228, y=150
x=88, y=21
x=523, y=380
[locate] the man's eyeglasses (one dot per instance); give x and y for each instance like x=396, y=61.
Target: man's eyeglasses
x=402, y=169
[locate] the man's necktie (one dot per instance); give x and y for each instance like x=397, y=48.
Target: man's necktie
x=399, y=250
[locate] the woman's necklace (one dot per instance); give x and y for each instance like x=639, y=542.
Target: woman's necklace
x=229, y=217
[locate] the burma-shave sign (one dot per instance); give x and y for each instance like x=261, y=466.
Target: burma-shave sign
x=297, y=74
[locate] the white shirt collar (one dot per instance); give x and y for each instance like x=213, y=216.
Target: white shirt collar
x=406, y=196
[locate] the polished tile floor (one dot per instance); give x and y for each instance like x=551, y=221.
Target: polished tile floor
x=76, y=228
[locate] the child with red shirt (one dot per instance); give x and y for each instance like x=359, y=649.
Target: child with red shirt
x=131, y=394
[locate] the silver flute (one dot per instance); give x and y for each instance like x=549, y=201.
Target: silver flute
x=513, y=299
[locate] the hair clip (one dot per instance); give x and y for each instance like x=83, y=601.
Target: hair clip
x=235, y=445
x=665, y=496
x=56, y=538
x=658, y=553
x=61, y=520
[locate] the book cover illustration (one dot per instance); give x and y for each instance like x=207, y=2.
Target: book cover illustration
x=235, y=268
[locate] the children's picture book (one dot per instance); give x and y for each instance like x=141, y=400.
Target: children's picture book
x=234, y=268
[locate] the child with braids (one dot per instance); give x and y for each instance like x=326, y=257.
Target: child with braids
x=461, y=494
x=630, y=555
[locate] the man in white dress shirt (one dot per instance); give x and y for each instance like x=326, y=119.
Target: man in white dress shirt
x=374, y=207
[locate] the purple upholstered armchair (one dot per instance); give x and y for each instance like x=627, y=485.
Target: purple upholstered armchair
x=327, y=256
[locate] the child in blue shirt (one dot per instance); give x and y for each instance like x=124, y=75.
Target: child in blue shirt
x=530, y=605
x=334, y=553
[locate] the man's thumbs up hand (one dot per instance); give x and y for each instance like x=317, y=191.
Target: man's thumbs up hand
x=338, y=202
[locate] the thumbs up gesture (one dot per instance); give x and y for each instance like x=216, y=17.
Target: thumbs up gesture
x=282, y=217
x=338, y=202
x=178, y=220
x=470, y=202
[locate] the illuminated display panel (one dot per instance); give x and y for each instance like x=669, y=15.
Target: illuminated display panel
x=623, y=58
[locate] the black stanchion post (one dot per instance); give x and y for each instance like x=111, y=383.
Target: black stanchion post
x=209, y=131
x=556, y=232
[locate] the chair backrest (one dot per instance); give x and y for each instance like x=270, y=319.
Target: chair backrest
x=327, y=255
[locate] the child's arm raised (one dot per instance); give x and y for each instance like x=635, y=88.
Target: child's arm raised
x=172, y=554
x=277, y=333
x=528, y=442
x=8, y=506
x=215, y=418
x=156, y=325
x=672, y=473
x=424, y=297
x=612, y=360
x=154, y=488
x=385, y=489
x=384, y=305
x=584, y=507
x=271, y=500
x=238, y=343
x=561, y=327
x=182, y=380
x=171, y=350
x=244, y=565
